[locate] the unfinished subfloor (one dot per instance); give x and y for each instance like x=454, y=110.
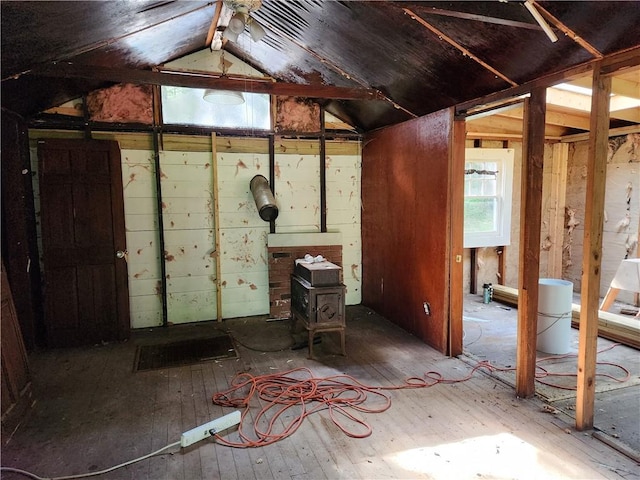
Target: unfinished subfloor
x=490, y=334
x=92, y=411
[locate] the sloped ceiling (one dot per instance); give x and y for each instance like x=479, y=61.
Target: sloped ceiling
x=418, y=57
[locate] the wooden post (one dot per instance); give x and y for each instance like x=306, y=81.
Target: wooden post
x=456, y=182
x=473, y=271
x=529, y=261
x=216, y=225
x=556, y=208
x=502, y=267
x=592, y=249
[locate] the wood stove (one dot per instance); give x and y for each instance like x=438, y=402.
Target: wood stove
x=320, y=308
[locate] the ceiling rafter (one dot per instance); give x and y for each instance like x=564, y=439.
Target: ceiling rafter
x=336, y=68
x=455, y=44
x=567, y=31
x=619, y=86
x=202, y=80
x=214, y=24
x=481, y=18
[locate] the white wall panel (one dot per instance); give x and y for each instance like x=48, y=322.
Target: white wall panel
x=143, y=261
x=188, y=218
x=243, y=237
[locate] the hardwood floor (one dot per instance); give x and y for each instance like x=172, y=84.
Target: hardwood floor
x=93, y=412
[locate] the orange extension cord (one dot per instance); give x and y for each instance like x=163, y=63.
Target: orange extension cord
x=296, y=394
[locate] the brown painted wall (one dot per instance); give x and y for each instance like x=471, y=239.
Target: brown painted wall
x=405, y=224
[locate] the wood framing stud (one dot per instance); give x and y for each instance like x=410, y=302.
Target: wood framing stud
x=567, y=31
x=456, y=182
x=529, y=261
x=455, y=44
x=592, y=250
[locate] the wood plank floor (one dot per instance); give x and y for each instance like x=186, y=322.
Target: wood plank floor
x=491, y=335
x=93, y=412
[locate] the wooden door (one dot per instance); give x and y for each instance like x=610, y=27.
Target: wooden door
x=83, y=240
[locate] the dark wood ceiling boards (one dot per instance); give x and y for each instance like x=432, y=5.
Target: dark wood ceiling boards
x=419, y=56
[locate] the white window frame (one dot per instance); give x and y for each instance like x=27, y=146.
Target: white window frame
x=501, y=235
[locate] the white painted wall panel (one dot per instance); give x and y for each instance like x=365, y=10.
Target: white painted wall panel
x=298, y=193
x=143, y=262
x=188, y=185
x=243, y=237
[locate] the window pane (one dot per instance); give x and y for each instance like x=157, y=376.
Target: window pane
x=480, y=214
x=185, y=106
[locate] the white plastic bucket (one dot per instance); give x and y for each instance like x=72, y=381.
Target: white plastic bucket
x=554, y=315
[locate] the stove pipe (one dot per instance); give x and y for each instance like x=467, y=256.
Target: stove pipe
x=263, y=197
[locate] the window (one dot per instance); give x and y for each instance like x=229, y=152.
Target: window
x=185, y=106
x=488, y=185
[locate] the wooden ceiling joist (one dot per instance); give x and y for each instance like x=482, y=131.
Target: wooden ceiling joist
x=214, y=24
x=559, y=119
x=567, y=31
x=619, y=86
x=610, y=64
x=481, y=18
x=455, y=44
x=181, y=79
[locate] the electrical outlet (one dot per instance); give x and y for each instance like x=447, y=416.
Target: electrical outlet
x=205, y=431
x=427, y=308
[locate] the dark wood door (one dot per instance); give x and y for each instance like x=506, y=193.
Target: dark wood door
x=82, y=219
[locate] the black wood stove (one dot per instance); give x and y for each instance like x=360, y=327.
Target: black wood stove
x=317, y=300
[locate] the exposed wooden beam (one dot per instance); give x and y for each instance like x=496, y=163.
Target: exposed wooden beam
x=479, y=18
x=580, y=102
x=456, y=232
x=610, y=63
x=592, y=250
x=529, y=256
x=619, y=86
x=629, y=114
x=503, y=136
x=201, y=80
x=581, y=137
x=567, y=31
x=509, y=125
x=556, y=205
x=214, y=24
x=561, y=119
x=455, y=44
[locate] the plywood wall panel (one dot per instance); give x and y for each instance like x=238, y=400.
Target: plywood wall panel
x=405, y=235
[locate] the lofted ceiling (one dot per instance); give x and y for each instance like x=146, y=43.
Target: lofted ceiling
x=370, y=63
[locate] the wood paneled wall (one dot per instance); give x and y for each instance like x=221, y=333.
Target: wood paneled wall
x=405, y=225
x=19, y=248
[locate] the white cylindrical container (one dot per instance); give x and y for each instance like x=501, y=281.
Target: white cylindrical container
x=554, y=315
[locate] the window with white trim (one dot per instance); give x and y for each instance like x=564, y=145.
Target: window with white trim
x=488, y=188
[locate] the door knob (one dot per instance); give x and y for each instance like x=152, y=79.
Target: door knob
x=121, y=254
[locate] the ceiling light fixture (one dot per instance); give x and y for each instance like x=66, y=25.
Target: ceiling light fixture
x=241, y=20
x=541, y=21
